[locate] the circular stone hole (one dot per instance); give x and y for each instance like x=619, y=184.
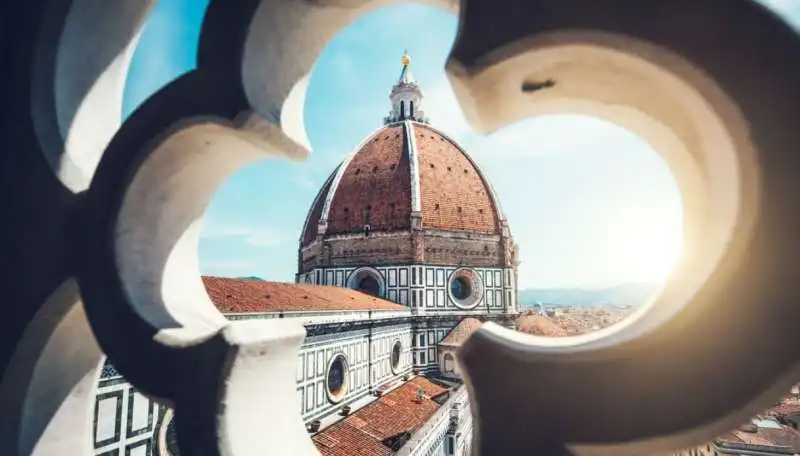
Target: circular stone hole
x=397, y=351
x=336, y=380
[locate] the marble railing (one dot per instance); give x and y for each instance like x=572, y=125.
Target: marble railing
x=100, y=219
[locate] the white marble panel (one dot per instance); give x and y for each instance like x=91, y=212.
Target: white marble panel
x=106, y=418
x=140, y=406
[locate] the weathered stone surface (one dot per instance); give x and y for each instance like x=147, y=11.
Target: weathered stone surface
x=715, y=348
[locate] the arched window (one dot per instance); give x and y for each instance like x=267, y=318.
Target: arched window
x=449, y=363
x=369, y=285
x=411, y=109
x=402, y=109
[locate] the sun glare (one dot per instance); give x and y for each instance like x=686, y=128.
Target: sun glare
x=648, y=248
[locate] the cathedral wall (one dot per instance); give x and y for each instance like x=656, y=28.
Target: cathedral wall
x=310, y=257
x=126, y=422
x=426, y=287
x=367, y=351
x=427, y=335
x=465, y=252
x=375, y=249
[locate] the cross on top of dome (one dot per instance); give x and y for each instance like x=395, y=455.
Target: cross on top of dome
x=406, y=96
x=405, y=74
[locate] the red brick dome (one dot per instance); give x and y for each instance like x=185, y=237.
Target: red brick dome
x=405, y=170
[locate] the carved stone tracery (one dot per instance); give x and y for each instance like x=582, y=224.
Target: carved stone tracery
x=664, y=70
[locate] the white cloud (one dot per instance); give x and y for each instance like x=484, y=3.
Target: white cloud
x=303, y=182
x=263, y=237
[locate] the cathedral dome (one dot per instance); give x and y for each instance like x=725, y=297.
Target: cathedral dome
x=404, y=171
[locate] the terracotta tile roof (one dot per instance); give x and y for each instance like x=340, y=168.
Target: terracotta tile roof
x=786, y=408
x=375, y=189
x=461, y=332
x=540, y=325
x=310, y=232
x=247, y=295
x=784, y=436
x=363, y=432
x=453, y=195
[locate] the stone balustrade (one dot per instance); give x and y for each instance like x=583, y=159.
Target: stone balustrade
x=100, y=219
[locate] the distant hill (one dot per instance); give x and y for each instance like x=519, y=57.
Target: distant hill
x=634, y=294
x=250, y=278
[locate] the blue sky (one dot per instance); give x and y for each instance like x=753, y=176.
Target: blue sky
x=589, y=203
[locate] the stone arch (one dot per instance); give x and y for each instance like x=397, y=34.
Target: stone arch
x=79, y=77
x=449, y=363
x=368, y=280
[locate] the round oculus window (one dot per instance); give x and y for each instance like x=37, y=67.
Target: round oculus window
x=459, y=287
x=337, y=378
x=465, y=288
x=397, y=352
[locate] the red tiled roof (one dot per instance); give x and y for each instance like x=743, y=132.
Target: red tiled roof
x=786, y=408
x=375, y=189
x=769, y=437
x=785, y=436
x=310, y=232
x=452, y=193
x=246, y=295
x=540, y=325
x=461, y=332
x=363, y=432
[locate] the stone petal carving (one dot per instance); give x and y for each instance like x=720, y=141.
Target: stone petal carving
x=711, y=84
x=666, y=379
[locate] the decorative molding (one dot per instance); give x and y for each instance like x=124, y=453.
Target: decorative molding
x=340, y=172
x=413, y=165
